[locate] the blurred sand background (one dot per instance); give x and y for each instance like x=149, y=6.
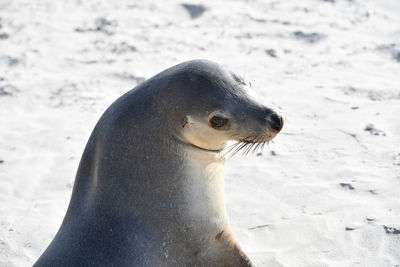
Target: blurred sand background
x=326, y=192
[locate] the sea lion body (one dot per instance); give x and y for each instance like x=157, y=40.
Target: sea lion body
x=149, y=188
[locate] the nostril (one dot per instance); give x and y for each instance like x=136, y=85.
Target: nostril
x=276, y=121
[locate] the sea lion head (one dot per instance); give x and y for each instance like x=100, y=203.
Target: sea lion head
x=213, y=106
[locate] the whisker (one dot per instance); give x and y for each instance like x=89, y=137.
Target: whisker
x=246, y=145
x=256, y=147
x=245, y=149
x=259, y=143
x=233, y=146
x=249, y=149
x=238, y=149
x=263, y=145
x=253, y=143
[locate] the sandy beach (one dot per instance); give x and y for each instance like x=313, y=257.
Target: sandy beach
x=325, y=192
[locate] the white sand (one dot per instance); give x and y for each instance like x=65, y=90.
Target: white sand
x=325, y=192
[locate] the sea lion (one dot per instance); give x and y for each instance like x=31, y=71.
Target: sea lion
x=149, y=187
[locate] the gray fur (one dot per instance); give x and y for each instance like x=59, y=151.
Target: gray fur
x=127, y=206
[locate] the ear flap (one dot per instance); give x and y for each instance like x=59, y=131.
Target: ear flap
x=185, y=121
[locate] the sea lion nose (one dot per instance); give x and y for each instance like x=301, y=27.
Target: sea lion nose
x=276, y=121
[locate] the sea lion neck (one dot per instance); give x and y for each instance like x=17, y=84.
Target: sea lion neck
x=141, y=168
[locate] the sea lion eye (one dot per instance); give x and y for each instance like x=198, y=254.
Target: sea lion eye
x=217, y=122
